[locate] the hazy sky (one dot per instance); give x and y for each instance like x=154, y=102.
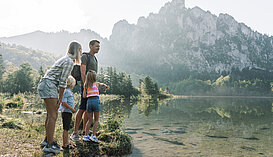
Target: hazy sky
x=24, y=16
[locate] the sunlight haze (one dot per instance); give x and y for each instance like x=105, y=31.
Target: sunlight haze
x=20, y=17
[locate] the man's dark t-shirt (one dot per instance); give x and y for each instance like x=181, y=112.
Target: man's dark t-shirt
x=93, y=63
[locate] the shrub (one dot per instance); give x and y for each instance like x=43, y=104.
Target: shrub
x=16, y=102
x=12, y=124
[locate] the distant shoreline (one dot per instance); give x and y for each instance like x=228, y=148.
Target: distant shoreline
x=212, y=96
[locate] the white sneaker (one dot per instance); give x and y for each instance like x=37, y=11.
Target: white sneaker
x=94, y=139
x=86, y=138
x=75, y=137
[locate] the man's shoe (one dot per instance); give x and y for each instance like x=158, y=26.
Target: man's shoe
x=75, y=137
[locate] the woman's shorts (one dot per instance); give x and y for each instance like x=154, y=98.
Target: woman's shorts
x=47, y=89
x=93, y=104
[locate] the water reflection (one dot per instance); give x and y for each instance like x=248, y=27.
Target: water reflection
x=147, y=106
x=235, y=110
x=202, y=126
x=118, y=107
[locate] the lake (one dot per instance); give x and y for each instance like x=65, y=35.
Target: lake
x=193, y=126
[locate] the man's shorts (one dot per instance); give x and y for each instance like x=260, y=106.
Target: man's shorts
x=83, y=101
x=47, y=89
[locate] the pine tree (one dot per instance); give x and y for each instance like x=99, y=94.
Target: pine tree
x=156, y=90
x=149, y=86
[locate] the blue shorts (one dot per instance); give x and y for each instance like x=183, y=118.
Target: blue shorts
x=93, y=104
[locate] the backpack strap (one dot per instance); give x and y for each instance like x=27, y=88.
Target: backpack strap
x=88, y=61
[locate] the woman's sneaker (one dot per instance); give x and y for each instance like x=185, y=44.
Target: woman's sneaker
x=86, y=138
x=75, y=137
x=51, y=148
x=44, y=143
x=56, y=144
x=94, y=139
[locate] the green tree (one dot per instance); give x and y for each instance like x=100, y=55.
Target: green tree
x=156, y=90
x=120, y=83
x=149, y=86
x=20, y=81
x=2, y=70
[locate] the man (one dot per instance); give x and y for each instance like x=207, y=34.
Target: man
x=94, y=46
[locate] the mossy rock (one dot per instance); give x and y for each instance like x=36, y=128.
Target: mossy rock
x=112, y=141
x=106, y=137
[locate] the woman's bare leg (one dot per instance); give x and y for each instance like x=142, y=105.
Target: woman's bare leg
x=52, y=114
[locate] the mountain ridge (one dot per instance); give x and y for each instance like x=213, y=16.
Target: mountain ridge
x=178, y=40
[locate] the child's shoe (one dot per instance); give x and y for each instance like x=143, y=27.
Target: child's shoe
x=94, y=139
x=86, y=138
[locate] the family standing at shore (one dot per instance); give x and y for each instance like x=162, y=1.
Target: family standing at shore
x=55, y=88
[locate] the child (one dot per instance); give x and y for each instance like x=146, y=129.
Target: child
x=91, y=91
x=67, y=108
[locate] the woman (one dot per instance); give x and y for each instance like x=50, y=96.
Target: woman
x=56, y=77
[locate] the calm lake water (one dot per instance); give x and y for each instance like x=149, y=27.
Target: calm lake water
x=199, y=126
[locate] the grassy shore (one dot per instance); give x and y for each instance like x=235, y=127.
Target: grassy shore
x=22, y=130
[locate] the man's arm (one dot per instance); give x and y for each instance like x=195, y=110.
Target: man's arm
x=83, y=71
x=84, y=92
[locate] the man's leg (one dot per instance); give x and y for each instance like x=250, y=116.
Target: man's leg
x=78, y=120
x=85, y=119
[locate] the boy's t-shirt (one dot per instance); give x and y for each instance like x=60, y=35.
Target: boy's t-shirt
x=69, y=99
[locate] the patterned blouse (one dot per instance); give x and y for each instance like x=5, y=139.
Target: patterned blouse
x=60, y=71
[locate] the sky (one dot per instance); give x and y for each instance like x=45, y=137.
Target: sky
x=24, y=16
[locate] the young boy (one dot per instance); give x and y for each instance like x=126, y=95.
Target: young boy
x=67, y=108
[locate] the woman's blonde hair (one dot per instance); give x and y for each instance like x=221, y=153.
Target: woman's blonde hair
x=91, y=77
x=70, y=82
x=74, y=50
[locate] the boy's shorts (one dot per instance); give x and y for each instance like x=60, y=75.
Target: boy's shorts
x=93, y=104
x=66, y=116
